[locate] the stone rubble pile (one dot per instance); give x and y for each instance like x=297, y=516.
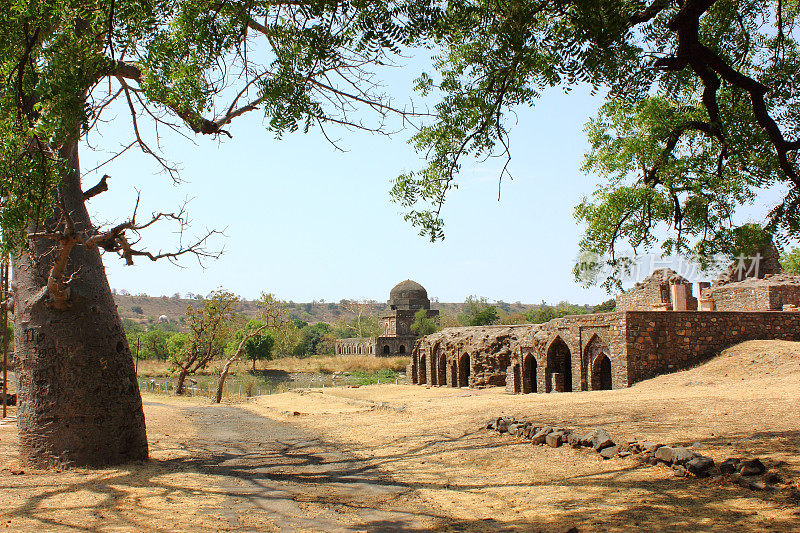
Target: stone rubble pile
x=748, y=473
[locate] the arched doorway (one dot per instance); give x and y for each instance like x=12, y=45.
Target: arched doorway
x=402, y=348
x=517, y=380
x=599, y=367
x=463, y=371
x=601, y=373
x=386, y=349
x=529, y=374
x=422, y=371
x=454, y=375
x=558, y=369
x=434, y=373
x=442, y=368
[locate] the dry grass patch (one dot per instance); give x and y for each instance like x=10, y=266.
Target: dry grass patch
x=341, y=363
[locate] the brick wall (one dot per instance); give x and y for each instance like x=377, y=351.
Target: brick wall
x=659, y=342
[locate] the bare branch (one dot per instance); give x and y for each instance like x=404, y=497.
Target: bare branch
x=101, y=186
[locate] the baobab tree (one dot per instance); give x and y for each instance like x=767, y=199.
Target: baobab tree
x=701, y=115
x=191, y=64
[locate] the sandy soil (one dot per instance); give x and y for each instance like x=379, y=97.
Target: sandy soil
x=744, y=403
x=408, y=457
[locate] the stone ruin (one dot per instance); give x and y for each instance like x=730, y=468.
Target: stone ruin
x=659, y=326
x=405, y=300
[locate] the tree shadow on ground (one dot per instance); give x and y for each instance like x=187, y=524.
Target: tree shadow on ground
x=287, y=466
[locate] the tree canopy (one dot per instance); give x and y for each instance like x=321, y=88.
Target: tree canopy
x=701, y=114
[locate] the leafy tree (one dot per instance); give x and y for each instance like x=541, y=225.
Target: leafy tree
x=605, y=307
x=210, y=328
x=545, y=313
x=137, y=309
x=258, y=342
x=191, y=64
x=790, y=261
x=154, y=344
x=478, y=312
x=700, y=115
x=255, y=339
x=315, y=339
x=514, y=318
x=424, y=325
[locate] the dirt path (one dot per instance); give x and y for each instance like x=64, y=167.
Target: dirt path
x=301, y=482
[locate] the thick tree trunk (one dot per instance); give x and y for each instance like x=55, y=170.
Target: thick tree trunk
x=79, y=401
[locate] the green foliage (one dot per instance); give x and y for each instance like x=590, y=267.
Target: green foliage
x=679, y=149
x=790, y=261
x=478, y=312
x=137, y=309
x=212, y=324
x=423, y=325
x=315, y=339
x=256, y=348
x=385, y=375
x=608, y=306
x=359, y=326
x=545, y=313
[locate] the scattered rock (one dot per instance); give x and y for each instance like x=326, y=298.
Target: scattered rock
x=588, y=438
x=771, y=477
x=729, y=466
x=601, y=440
x=609, y=451
x=491, y=424
x=664, y=454
x=700, y=465
x=679, y=470
x=752, y=467
x=650, y=447
x=541, y=435
x=682, y=455
x=554, y=439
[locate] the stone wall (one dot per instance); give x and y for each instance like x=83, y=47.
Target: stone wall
x=665, y=342
x=589, y=352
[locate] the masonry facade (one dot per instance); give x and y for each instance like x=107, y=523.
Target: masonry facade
x=655, y=331
x=405, y=300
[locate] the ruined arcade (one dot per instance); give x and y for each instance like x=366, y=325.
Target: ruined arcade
x=659, y=326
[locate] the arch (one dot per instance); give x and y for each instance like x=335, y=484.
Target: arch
x=601, y=373
x=423, y=370
x=454, y=375
x=386, y=349
x=598, y=369
x=402, y=349
x=463, y=371
x=441, y=366
x=517, y=378
x=529, y=368
x=558, y=367
x=359, y=350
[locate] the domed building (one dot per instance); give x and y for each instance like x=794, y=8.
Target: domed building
x=405, y=299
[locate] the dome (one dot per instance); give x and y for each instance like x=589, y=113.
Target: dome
x=409, y=294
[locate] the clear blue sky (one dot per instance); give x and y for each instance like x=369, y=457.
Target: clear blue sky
x=305, y=221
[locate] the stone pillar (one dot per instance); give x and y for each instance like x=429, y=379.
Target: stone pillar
x=678, y=296
x=706, y=304
x=557, y=382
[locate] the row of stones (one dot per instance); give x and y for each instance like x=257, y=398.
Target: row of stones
x=748, y=473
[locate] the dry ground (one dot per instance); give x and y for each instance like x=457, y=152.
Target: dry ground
x=408, y=457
